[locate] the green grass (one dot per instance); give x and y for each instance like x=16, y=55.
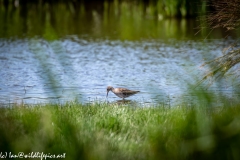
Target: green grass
x=110, y=131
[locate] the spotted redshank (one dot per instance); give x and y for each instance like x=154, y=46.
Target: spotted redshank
x=121, y=92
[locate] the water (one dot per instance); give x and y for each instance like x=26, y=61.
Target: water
x=39, y=71
x=64, y=51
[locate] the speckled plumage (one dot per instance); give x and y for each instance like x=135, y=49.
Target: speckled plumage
x=121, y=92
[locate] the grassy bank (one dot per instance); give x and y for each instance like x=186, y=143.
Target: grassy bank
x=110, y=131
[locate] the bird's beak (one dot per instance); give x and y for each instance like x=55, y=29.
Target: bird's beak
x=107, y=93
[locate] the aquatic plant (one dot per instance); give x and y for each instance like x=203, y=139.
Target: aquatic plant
x=221, y=65
x=224, y=14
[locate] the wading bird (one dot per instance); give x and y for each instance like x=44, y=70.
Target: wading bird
x=121, y=92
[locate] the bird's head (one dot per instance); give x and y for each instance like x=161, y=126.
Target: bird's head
x=109, y=88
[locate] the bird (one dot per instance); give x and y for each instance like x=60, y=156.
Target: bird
x=121, y=92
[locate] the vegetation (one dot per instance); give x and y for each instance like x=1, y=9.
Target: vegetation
x=111, y=131
x=224, y=64
x=225, y=14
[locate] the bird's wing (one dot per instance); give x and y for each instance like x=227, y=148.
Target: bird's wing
x=127, y=90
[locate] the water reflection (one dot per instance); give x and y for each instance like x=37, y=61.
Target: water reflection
x=38, y=71
x=125, y=102
x=109, y=19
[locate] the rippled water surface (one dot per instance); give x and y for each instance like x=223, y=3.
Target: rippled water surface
x=39, y=71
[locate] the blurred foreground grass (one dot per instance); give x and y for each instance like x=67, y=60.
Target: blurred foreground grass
x=110, y=131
